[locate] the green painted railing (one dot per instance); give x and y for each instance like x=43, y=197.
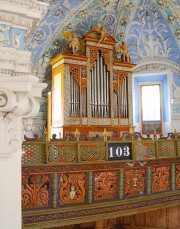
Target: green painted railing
x=66, y=182
x=77, y=151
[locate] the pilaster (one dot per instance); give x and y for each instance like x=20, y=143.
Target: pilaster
x=19, y=100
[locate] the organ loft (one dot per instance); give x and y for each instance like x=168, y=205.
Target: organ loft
x=91, y=86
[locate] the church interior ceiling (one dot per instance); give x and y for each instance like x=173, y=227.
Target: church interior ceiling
x=150, y=27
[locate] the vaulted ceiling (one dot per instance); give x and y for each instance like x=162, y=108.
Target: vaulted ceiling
x=150, y=27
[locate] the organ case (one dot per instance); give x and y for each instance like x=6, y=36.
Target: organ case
x=91, y=89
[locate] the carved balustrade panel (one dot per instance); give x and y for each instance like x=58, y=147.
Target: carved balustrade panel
x=105, y=185
x=178, y=177
x=35, y=191
x=59, y=153
x=161, y=179
x=34, y=153
x=178, y=148
x=144, y=150
x=72, y=188
x=166, y=148
x=92, y=152
x=134, y=182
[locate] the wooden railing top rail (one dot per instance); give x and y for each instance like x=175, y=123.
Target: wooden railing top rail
x=75, y=149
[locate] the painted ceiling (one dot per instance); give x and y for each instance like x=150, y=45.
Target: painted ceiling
x=150, y=27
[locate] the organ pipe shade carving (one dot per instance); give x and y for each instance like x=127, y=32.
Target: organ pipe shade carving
x=100, y=93
x=120, y=95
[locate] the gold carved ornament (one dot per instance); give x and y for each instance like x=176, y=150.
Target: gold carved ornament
x=115, y=87
x=83, y=79
x=83, y=85
x=94, y=56
x=75, y=72
x=106, y=56
x=121, y=77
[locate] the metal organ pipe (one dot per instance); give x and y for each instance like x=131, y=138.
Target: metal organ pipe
x=74, y=98
x=102, y=88
x=92, y=93
x=98, y=86
x=123, y=99
x=105, y=92
x=99, y=89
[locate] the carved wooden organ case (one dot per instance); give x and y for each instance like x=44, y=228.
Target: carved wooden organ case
x=91, y=89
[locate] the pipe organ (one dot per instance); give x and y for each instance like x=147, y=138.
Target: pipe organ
x=100, y=93
x=95, y=87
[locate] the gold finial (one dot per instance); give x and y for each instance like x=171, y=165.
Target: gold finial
x=155, y=134
x=45, y=134
x=77, y=134
x=131, y=129
x=105, y=134
x=175, y=133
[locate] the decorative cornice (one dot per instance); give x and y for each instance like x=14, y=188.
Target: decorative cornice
x=15, y=20
x=15, y=62
x=23, y=14
x=111, y=210
x=95, y=166
x=33, y=4
x=155, y=65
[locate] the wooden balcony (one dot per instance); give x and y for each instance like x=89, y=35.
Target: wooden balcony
x=74, y=181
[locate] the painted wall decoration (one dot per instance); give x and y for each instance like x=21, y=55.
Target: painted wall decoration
x=11, y=37
x=4, y=35
x=149, y=35
x=150, y=27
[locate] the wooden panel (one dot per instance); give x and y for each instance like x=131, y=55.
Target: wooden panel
x=87, y=129
x=173, y=217
x=141, y=219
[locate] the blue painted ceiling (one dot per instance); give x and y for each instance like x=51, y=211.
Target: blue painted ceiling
x=150, y=27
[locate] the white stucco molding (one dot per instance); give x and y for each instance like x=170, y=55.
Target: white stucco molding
x=19, y=101
x=15, y=62
x=155, y=64
x=22, y=14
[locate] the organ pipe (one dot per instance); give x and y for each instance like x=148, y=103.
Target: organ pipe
x=100, y=89
x=74, y=98
x=123, y=99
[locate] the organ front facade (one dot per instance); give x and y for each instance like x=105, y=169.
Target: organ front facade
x=91, y=86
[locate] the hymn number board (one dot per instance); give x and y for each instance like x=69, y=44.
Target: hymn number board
x=119, y=151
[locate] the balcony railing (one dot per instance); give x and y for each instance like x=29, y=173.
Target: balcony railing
x=77, y=180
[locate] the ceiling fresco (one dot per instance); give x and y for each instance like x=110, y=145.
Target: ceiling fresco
x=150, y=27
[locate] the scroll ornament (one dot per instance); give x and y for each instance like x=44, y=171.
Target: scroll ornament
x=15, y=107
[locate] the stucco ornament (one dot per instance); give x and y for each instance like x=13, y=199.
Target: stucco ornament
x=16, y=109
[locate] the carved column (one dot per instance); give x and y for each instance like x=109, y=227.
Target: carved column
x=19, y=95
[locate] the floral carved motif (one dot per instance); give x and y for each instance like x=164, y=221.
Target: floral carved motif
x=161, y=179
x=105, y=53
x=83, y=85
x=72, y=188
x=135, y=182
x=75, y=72
x=178, y=177
x=118, y=80
x=115, y=87
x=35, y=191
x=93, y=56
x=105, y=185
x=121, y=77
